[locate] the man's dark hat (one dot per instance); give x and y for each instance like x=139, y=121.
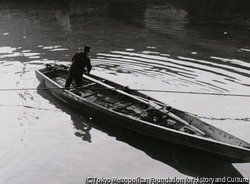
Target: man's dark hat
x=87, y=48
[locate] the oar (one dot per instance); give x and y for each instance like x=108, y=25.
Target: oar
x=146, y=101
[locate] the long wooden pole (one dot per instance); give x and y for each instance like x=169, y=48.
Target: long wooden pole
x=136, y=89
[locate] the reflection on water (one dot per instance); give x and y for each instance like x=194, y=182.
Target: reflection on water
x=82, y=129
x=193, y=163
x=191, y=46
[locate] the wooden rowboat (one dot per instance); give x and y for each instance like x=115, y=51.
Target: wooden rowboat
x=138, y=112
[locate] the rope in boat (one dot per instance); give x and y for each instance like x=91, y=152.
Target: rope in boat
x=149, y=90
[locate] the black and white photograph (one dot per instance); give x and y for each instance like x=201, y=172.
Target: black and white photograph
x=124, y=91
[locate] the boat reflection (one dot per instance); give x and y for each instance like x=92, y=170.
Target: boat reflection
x=191, y=162
x=82, y=128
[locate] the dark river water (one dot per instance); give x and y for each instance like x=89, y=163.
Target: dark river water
x=176, y=46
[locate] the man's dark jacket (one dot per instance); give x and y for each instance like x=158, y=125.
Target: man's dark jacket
x=80, y=61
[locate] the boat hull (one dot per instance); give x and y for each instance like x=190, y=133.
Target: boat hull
x=230, y=152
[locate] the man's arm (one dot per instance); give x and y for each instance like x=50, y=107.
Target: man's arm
x=89, y=67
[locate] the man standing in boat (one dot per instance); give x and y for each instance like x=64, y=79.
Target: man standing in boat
x=77, y=68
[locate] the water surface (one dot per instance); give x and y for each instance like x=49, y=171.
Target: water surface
x=160, y=45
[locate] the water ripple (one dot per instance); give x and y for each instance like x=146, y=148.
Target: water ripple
x=216, y=75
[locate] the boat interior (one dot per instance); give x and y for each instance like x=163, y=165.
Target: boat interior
x=105, y=94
